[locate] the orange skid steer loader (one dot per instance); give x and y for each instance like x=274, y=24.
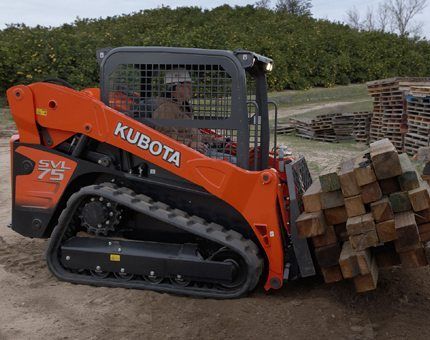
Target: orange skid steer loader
x=163, y=178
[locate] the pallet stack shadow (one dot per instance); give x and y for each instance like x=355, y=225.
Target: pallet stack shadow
x=389, y=106
x=418, y=110
x=372, y=211
x=334, y=127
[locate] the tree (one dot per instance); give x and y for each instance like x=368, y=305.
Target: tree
x=391, y=15
x=262, y=4
x=402, y=14
x=295, y=7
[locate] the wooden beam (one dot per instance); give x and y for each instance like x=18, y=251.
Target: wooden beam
x=360, y=224
x=368, y=282
x=371, y=192
x=381, y=210
x=419, y=198
x=329, y=181
x=328, y=256
x=385, y=159
x=363, y=171
x=423, y=216
x=409, y=179
x=400, y=202
x=365, y=240
x=348, y=262
x=335, y=215
x=386, y=231
x=364, y=259
x=311, y=224
x=424, y=231
x=332, y=199
x=311, y=198
x=408, y=237
x=354, y=206
x=326, y=239
x=348, y=182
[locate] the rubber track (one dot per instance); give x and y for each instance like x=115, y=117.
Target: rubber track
x=161, y=211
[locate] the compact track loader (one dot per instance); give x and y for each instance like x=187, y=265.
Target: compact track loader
x=147, y=183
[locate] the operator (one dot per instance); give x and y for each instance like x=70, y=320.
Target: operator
x=176, y=105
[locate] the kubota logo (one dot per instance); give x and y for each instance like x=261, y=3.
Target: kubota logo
x=52, y=170
x=145, y=142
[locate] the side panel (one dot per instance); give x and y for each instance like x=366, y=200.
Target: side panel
x=39, y=180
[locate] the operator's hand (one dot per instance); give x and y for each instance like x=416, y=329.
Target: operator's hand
x=199, y=146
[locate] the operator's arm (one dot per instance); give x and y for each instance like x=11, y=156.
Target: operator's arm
x=170, y=110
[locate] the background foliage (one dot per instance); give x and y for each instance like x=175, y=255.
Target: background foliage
x=307, y=52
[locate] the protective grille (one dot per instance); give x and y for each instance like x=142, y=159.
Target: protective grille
x=164, y=95
x=140, y=89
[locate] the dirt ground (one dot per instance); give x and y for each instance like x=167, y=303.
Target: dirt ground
x=35, y=305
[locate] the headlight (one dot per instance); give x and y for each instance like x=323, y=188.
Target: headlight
x=269, y=67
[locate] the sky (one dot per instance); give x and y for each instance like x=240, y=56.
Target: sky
x=55, y=13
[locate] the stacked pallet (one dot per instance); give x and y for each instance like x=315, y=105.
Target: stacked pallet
x=332, y=127
x=361, y=129
x=372, y=211
x=418, y=110
x=343, y=126
x=285, y=129
x=389, y=107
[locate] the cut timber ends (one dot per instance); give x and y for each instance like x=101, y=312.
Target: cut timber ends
x=371, y=192
x=381, y=210
x=419, y=198
x=400, y=202
x=335, y=215
x=409, y=179
x=326, y=239
x=332, y=199
x=329, y=181
x=354, y=206
x=348, y=262
x=348, y=182
x=407, y=232
x=365, y=240
x=385, y=159
x=360, y=224
x=368, y=282
x=363, y=171
x=311, y=224
x=311, y=198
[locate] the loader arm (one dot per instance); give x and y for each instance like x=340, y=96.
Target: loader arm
x=64, y=112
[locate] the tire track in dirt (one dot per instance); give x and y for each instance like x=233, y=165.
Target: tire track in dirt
x=25, y=257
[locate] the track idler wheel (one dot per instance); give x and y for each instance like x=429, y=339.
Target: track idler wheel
x=239, y=265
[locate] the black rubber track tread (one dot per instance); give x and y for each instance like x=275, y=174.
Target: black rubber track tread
x=161, y=211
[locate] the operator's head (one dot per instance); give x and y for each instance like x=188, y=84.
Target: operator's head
x=179, y=83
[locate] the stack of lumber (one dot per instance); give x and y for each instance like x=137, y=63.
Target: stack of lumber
x=361, y=129
x=389, y=107
x=418, y=110
x=371, y=211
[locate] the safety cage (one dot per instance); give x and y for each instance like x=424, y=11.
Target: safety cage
x=213, y=101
